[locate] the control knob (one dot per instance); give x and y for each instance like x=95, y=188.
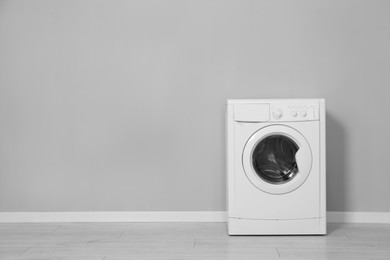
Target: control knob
x=303, y=114
x=277, y=113
x=294, y=113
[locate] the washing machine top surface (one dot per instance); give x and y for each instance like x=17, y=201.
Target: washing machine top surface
x=275, y=100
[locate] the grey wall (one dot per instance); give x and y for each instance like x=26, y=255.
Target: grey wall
x=119, y=105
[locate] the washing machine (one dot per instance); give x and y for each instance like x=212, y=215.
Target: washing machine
x=276, y=175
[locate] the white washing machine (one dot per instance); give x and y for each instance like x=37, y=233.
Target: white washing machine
x=276, y=167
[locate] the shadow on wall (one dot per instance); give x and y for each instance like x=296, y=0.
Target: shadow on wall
x=336, y=189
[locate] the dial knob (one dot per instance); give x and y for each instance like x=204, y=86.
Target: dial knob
x=303, y=113
x=294, y=113
x=278, y=113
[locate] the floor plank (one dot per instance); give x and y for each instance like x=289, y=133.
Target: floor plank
x=332, y=253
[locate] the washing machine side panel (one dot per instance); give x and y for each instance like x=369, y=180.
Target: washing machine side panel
x=304, y=202
x=323, y=159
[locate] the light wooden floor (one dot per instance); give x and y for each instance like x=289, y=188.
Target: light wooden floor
x=115, y=241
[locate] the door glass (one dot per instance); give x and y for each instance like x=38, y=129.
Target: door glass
x=274, y=159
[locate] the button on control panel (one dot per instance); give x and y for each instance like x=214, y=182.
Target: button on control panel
x=294, y=112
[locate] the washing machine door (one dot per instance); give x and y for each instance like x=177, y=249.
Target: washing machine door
x=277, y=159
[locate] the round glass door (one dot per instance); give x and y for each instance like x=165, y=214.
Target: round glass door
x=277, y=159
x=274, y=160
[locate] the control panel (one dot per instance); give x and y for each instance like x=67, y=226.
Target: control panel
x=294, y=112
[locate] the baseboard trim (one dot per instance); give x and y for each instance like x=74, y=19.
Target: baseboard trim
x=358, y=217
x=114, y=216
x=167, y=216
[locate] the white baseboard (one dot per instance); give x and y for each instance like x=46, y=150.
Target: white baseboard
x=358, y=217
x=114, y=216
x=167, y=216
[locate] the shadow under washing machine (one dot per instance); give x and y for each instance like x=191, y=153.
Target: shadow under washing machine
x=276, y=167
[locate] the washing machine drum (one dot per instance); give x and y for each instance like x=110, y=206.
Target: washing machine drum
x=277, y=159
x=274, y=159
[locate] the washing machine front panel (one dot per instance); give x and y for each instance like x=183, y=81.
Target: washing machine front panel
x=248, y=201
x=277, y=159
